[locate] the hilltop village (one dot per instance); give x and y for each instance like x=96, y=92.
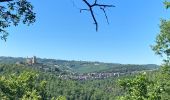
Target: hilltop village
x=63, y=69
x=32, y=62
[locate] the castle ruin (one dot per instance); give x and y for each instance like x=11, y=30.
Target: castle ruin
x=31, y=61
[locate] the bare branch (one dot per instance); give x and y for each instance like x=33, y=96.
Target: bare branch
x=95, y=21
x=105, y=14
x=96, y=4
x=84, y=10
x=5, y=0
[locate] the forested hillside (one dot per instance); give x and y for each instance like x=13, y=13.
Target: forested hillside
x=106, y=89
x=25, y=82
x=50, y=79
x=80, y=66
x=48, y=86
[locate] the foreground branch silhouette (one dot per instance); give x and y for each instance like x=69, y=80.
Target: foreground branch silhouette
x=13, y=12
x=91, y=10
x=5, y=0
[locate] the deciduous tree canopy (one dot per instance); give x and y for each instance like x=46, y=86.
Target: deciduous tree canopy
x=162, y=46
x=12, y=12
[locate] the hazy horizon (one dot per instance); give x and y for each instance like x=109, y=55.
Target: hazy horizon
x=79, y=60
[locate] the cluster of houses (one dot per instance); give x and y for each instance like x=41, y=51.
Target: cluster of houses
x=70, y=75
x=88, y=76
x=55, y=68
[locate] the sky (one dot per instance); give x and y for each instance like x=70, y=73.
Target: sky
x=62, y=32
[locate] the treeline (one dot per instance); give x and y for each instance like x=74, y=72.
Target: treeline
x=79, y=66
x=25, y=83
x=56, y=87
x=147, y=86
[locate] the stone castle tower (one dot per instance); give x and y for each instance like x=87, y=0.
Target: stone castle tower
x=31, y=61
x=34, y=60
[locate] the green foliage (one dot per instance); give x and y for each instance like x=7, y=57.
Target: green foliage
x=34, y=84
x=21, y=87
x=162, y=46
x=167, y=4
x=33, y=95
x=61, y=98
x=164, y=80
x=141, y=88
x=47, y=85
x=82, y=90
x=156, y=86
x=13, y=12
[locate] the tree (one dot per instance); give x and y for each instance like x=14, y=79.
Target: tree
x=144, y=88
x=162, y=46
x=22, y=87
x=12, y=12
x=141, y=88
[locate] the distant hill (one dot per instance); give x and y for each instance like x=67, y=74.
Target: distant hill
x=81, y=66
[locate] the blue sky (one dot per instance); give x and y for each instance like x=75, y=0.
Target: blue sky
x=62, y=32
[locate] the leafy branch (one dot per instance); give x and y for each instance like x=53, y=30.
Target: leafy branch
x=14, y=12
